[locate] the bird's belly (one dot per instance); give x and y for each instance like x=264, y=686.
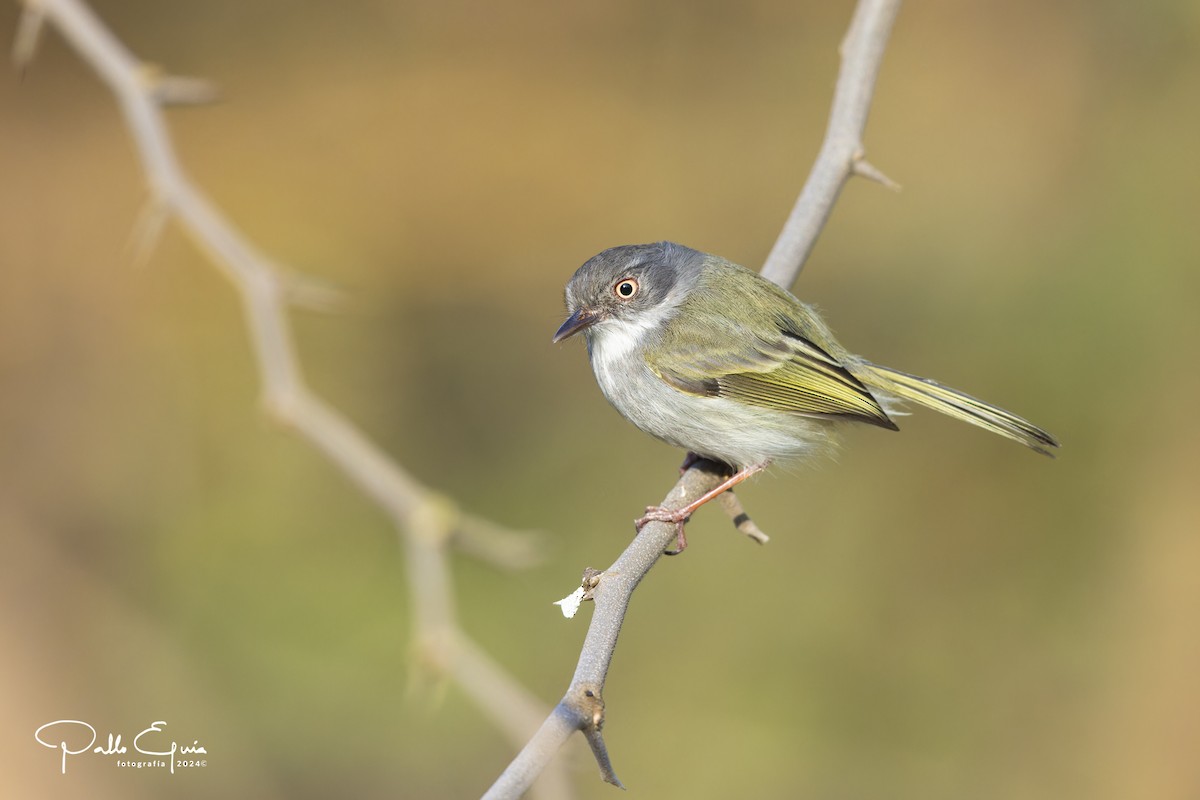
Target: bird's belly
x=736, y=433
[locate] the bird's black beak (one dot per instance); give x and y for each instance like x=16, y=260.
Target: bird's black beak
x=582, y=318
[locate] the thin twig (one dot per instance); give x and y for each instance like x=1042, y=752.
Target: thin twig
x=862, y=53
x=427, y=522
x=582, y=707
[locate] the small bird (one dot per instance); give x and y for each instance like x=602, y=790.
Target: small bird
x=709, y=356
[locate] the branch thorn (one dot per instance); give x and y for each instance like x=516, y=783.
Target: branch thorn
x=312, y=294
x=741, y=520
x=176, y=90
x=29, y=34
x=593, y=705
x=147, y=230
x=868, y=170
x=497, y=545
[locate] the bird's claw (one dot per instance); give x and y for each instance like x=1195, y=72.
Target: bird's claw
x=677, y=518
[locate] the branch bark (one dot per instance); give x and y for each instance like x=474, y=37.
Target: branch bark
x=842, y=155
x=427, y=522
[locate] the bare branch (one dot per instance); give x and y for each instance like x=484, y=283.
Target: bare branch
x=536, y=754
x=862, y=53
x=426, y=521
x=582, y=707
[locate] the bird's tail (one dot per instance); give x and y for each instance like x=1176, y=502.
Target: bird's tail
x=954, y=403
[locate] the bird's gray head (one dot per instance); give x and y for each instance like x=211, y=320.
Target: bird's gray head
x=626, y=283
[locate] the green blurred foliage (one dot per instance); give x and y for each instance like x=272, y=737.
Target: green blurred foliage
x=939, y=614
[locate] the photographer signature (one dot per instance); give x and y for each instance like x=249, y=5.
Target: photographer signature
x=55, y=735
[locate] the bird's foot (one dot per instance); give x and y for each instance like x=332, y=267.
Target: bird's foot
x=677, y=518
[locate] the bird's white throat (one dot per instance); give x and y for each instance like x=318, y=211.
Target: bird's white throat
x=614, y=340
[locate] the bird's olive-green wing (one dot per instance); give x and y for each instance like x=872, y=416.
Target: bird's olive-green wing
x=763, y=359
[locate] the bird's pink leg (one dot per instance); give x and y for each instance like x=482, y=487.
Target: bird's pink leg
x=680, y=516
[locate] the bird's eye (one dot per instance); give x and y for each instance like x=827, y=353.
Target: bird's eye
x=626, y=288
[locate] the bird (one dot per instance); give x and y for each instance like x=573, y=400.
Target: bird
x=709, y=356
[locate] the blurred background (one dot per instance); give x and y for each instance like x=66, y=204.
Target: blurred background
x=939, y=614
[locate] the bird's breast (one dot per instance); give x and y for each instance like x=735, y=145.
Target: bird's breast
x=719, y=428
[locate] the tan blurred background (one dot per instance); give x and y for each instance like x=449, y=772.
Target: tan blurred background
x=939, y=614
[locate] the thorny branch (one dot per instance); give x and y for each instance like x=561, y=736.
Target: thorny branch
x=426, y=521
x=842, y=153
x=841, y=156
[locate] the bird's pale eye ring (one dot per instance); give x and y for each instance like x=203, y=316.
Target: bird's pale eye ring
x=626, y=288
